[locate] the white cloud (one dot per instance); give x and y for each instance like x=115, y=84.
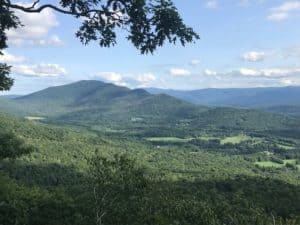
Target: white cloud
x=195, y=62
x=248, y=72
x=283, y=11
x=146, y=78
x=39, y=70
x=110, y=76
x=254, y=56
x=289, y=82
x=269, y=72
x=8, y=58
x=212, y=4
x=35, y=30
x=20, y=66
x=178, y=72
x=136, y=80
x=210, y=72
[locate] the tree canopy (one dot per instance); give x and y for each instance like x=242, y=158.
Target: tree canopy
x=149, y=23
x=12, y=146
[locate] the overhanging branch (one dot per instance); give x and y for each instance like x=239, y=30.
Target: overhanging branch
x=31, y=9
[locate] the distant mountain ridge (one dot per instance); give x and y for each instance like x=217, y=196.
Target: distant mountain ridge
x=237, y=97
x=98, y=99
x=284, y=100
x=100, y=105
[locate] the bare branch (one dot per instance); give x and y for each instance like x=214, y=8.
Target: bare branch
x=34, y=4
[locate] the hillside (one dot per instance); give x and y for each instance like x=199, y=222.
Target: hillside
x=223, y=156
x=53, y=183
x=243, y=97
x=99, y=105
x=92, y=95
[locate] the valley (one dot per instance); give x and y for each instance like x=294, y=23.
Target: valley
x=219, y=159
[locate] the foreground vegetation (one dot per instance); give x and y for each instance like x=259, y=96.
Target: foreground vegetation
x=75, y=176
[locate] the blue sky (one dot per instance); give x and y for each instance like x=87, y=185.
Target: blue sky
x=244, y=43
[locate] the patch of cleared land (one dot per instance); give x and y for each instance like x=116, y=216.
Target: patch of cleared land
x=207, y=138
x=232, y=139
x=285, y=147
x=269, y=164
x=169, y=139
x=235, y=139
x=276, y=165
x=32, y=118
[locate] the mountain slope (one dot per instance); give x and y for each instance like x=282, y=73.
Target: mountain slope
x=99, y=105
x=94, y=99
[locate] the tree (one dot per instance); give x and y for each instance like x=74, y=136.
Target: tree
x=149, y=23
x=8, y=20
x=5, y=81
x=12, y=146
x=118, y=185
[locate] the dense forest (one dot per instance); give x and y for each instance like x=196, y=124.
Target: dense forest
x=72, y=176
x=146, y=159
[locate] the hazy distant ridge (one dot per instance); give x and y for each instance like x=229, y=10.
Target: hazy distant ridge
x=244, y=97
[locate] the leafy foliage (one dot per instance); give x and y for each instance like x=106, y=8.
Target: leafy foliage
x=5, y=81
x=116, y=182
x=8, y=20
x=123, y=156
x=12, y=146
x=177, y=183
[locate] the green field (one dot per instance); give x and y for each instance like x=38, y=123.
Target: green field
x=169, y=139
x=286, y=147
x=235, y=139
x=276, y=165
x=269, y=164
x=33, y=118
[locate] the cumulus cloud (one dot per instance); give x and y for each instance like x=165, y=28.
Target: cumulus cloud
x=254, y=56
x=110, y=76
x=290, y=82
x=22, y=66
x=9, y=58
x=35, y=30
x=269, y=72
x=283, y=11
x=210, y=72
x=39, y=70
x=133, y=80
x=146, y=78
x=178, y=72
x=195, y=62
x=212, y=4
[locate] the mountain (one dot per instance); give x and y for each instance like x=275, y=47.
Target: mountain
x=242, y=98
x=94, y=101
x=103, y=106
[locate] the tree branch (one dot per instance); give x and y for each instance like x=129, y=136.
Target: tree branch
x=31, y=9
x=34, y=4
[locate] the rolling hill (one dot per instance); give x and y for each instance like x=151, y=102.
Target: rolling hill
x=99, y=105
